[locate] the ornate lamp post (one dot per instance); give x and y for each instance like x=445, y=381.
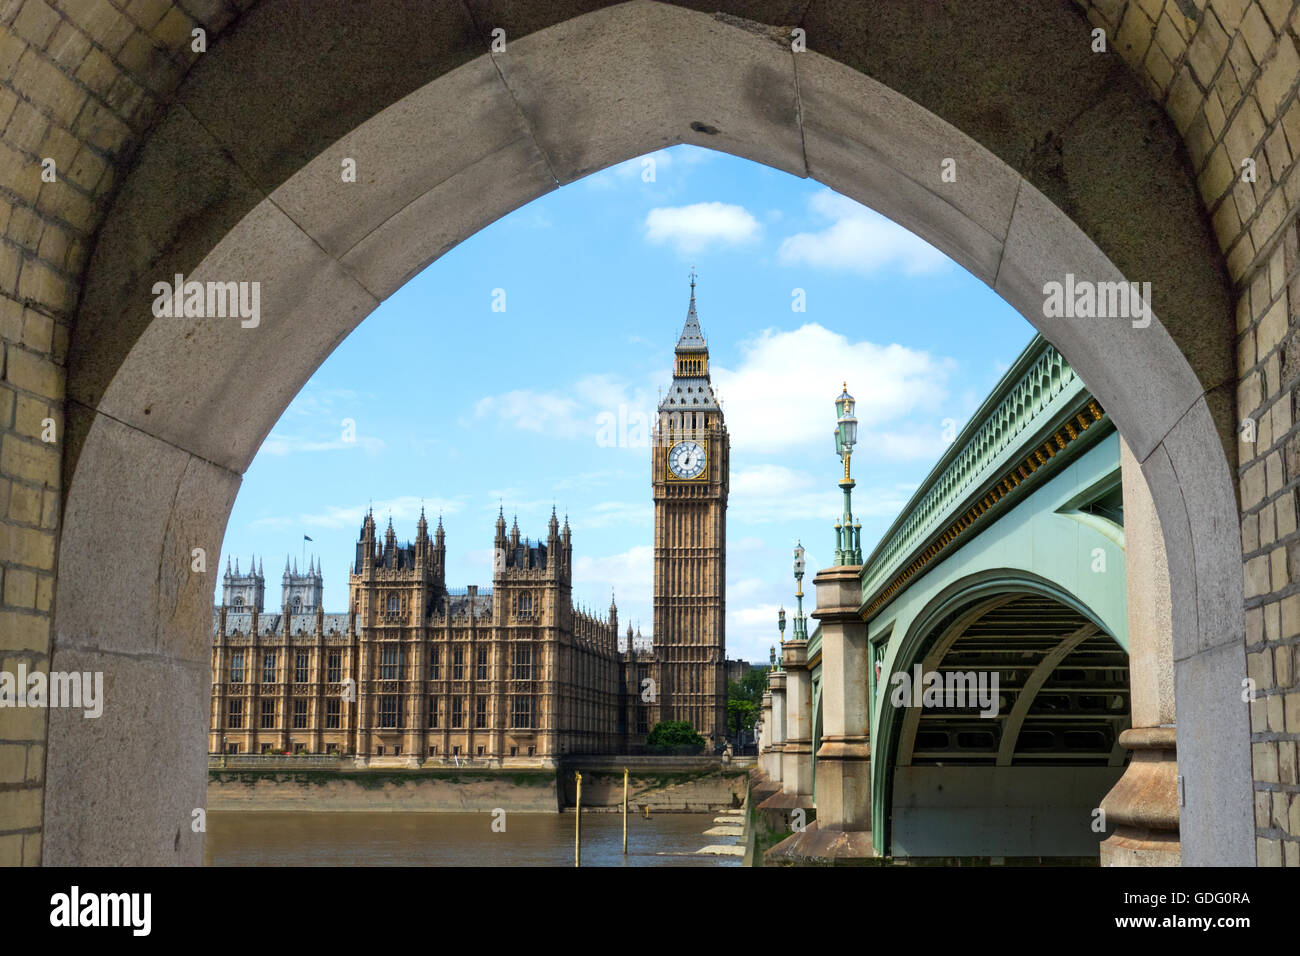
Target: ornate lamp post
x=800, y=621
x=848, y=533
x=780, y=626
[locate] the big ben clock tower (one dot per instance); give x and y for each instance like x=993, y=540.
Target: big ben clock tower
x=689, y=468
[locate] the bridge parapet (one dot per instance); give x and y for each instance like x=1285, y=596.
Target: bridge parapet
x=1032, y=417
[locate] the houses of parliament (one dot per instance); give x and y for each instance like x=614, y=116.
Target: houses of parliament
x=510, y=674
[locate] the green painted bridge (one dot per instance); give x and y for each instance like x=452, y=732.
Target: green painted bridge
x=986, y=662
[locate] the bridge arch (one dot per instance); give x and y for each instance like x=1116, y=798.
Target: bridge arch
x=950, y=782
x=239, y=178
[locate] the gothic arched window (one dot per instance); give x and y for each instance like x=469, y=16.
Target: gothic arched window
x=394, y=604
x=297, y=605
x=526, y=603
x=239, y=601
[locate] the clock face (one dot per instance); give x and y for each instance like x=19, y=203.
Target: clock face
x=686, y=459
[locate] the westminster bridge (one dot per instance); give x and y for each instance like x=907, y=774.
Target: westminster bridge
x=1028, y=576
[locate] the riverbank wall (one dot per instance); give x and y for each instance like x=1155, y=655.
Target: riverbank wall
x=664, y=785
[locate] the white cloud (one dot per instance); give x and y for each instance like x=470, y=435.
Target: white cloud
x=692, y=228
x=860, y=240
x=574, y=413
x=319, y=401
x=771, y=405
x=606, y=514
x=780, y=398
x=767, y=493
x=682, y=155
x=336, y=410
x=629, y=574
x=280, y=444
x=403, y=509
x=752, y=630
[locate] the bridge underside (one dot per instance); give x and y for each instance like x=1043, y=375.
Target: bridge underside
x=1026, y=781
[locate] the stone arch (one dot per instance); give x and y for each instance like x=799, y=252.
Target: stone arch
x=239, y=178
x=930, y=640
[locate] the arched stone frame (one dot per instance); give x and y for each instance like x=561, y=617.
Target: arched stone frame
x=162, y=418
x=977, y=594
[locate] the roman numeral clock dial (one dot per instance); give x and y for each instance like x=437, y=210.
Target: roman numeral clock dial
x=686, y=459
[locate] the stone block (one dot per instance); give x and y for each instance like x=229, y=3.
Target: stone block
x=20, y=809
x=23, y=630
x=13, y=763
x=132, y=473
x=114, y=794
x=11, y=846
x=1257, y=33
x=1214, y=757
x=36, y=22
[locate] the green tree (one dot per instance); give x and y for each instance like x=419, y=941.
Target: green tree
x=745, y=700
x=676, y=736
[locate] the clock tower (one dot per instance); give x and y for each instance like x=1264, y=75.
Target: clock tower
x=689, y=467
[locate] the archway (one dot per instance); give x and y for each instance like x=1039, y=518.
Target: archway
x=1025, y=783
x=240, y=182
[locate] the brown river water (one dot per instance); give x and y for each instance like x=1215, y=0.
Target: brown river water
x=243, y=838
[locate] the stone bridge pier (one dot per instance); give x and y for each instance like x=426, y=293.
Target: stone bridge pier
x=1143, y=805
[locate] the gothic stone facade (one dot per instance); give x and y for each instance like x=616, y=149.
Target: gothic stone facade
x=415, y=670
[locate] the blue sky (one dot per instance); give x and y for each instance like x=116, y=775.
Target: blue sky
x=462, y=408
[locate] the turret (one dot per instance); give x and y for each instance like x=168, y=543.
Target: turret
x=566, y=543
x=422, y=543
x=440, y=555
x=243, y=592
x=365, y=544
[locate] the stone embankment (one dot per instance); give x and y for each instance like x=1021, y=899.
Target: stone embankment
x=664, y=785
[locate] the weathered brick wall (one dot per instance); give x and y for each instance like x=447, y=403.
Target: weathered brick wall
x=82, y=80
x=1226, y=72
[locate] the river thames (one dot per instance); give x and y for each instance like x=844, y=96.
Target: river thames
x=244, y=838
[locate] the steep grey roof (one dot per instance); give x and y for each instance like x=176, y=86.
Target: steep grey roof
x=692, y=339
x=269, y=624
x=458, y=604
x=689, y=394
x=235, y=622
